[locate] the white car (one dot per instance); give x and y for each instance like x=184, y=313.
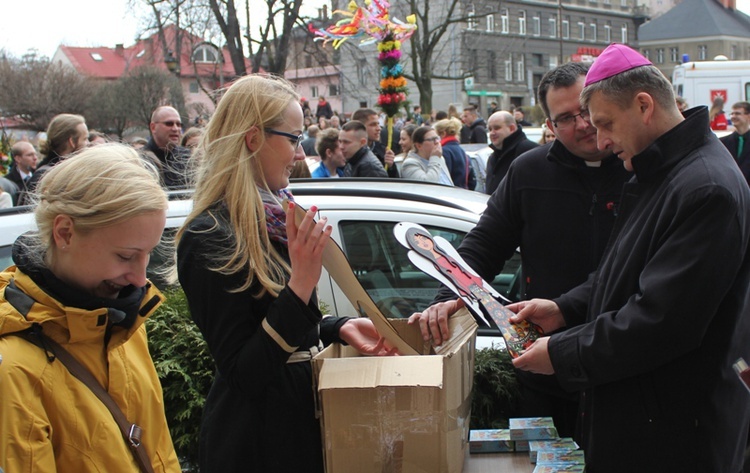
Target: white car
x=363, y=213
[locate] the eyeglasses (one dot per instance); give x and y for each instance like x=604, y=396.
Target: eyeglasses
x=567, y=120
x=294, y=139
x=434, y=139
x=171, y=123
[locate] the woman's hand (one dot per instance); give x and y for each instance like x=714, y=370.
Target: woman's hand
x=433, y=322
x=361, y=334
x=306, y=243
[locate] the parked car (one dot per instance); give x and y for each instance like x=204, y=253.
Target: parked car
x=363, y=213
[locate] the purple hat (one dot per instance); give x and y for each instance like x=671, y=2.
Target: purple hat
x=616, y=58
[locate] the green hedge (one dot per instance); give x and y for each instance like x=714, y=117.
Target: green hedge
x=186, y=370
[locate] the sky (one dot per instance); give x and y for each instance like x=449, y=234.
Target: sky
x=45, y=24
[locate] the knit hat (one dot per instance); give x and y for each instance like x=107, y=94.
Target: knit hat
x=615, y=59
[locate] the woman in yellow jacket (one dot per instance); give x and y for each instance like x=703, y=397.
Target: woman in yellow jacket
x=81, y=281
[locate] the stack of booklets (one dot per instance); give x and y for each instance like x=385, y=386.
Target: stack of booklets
x=536, y=435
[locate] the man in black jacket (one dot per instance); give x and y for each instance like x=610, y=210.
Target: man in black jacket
x=738, y=142
x=24, y=164
x=369, y=119
x=508, y=142
x=171, y=158
x=558, y=203
x=474, y=130
x=360, y=162
x=653, y=334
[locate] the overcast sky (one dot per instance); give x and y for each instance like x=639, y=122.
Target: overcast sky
x=45, y=24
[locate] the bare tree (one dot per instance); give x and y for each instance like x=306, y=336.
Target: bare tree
x=108, y=108
x=272, y=43
x=427, y=41
x=36, y=89
x=225, y=14
x=148, y=87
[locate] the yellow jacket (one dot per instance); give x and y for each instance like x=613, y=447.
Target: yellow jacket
x=50, y=421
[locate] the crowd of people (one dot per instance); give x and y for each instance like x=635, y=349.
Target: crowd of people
x=643, y=304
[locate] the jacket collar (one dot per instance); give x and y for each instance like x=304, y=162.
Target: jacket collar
x=670, y=148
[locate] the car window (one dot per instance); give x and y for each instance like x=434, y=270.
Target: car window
x=397, y=287
x=5, y=258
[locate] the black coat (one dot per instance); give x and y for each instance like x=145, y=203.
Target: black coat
x=499, y=161
x=172, y=164
x=364, y=164
x=731, y=141
x=378, y=149
x=653, y=334
x=559, y=211
x=259, y=415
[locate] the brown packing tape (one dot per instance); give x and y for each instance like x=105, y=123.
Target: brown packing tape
x=338, y=267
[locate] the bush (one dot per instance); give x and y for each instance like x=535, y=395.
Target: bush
x=185, y=369
x=496, y=390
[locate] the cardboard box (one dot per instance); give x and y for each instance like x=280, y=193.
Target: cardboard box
x=406, y=414
x=401, y=414
x=490, y=441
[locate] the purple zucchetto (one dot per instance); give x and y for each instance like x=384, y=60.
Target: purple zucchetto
x=616, y=58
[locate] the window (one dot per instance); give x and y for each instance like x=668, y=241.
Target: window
x=674, y=54
x=566, y=28
x=624, y=34
x=522, y=23
x=733, y=52
x=521, y=69
x=608, y=32
x=660, y=55
x=490, y=24
x=474, y=63
x=394, y=283
x=592, y=29
x=508, y=71
x=314, y=91
x=491, y=66
x=194, y=88
x=702, y=52
x=581, y=30
x=472, y=21
x=624, y=4
x=308, y=61
x=537, y=24
x=504, y=21
x=362, y=72
x=553, y=27
x=552, y=61
x=206, y=53
x=333, y=90
x=647, y=54
x=536, y=59
x=97, y=57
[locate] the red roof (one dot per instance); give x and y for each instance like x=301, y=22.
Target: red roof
x=112, y=63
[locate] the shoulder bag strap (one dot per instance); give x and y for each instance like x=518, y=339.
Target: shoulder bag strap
x=131, y=432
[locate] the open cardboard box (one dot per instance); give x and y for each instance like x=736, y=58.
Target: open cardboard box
x=404, y=414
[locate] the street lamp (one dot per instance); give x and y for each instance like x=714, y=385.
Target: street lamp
x=171, y=63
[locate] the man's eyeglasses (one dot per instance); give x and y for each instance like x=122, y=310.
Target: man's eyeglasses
x=568, y=120
x=171, y=123
x=294, y=139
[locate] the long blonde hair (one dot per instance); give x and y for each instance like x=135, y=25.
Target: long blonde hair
x=229, y=173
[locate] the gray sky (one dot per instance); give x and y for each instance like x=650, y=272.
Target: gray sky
x=45, y=24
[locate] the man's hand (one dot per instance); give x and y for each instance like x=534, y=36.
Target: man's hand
x=536, y=358
x=541, y=312
x=433, y=322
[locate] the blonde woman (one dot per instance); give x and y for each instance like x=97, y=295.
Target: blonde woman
x=449, y=131
x=81, y=282
x=249, y=273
